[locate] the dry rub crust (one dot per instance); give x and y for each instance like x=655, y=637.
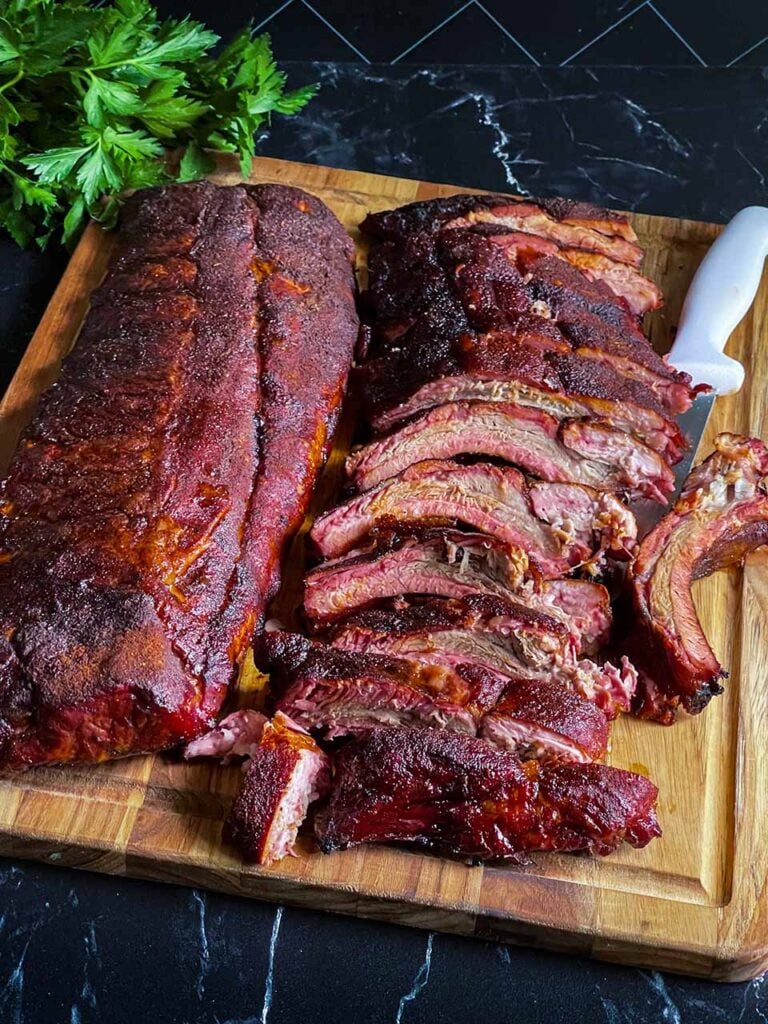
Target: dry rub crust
x=458, y=794
x=286, y=772
x=719, y=518
x=137, y=552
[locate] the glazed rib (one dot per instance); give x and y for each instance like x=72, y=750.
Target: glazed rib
x=459, y=795
x=721, y=515
x=544, y=720
x=559, y=525
x=527, y=437
x=564, y=220
x=308, y=328
x=451, y=564
x=487, y=635
x=340, y=692
x=561, y=396
x=286, y=772
x=524, y=639
x=143, y=513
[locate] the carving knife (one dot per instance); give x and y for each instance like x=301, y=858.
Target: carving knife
x=722, y=290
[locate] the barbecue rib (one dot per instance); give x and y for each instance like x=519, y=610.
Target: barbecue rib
x=525, y=639
x=449, y=563
x=563, y=395
x=542, y=719
x=146, y=508
x=459, y=795
x=339, y=691
x=481, y=633
x=567, y=221
x=721, y=515
x=559, y=525
x=308, y=329
x=286, y=772
x=523, y=435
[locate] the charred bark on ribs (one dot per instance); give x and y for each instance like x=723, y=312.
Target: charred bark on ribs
x=146, y=509
x=459, y=795
x=721, y=515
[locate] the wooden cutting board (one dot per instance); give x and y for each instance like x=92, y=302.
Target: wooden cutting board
x=694, y=901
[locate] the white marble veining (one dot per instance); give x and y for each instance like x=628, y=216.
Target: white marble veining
x=420, y=981
x=12, y=992
x=269, y=982
x=204, y=955
x=670, y=1012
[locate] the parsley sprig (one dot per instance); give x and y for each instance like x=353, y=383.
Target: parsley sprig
x=94, y=95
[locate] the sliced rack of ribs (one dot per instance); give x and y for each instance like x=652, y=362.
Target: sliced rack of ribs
x=146, y=509
x=721, y=515
x=512, y=406
x=459, y=795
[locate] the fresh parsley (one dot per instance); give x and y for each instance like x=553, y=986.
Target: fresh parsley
x=94, y=96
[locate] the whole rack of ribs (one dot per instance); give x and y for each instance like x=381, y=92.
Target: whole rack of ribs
x=150, y=500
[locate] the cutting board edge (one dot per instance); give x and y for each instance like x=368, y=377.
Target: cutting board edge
x=609, y=944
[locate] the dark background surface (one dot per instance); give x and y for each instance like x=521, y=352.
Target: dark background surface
x=660, y=106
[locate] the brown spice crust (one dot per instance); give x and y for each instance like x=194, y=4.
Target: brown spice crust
x=132, y=532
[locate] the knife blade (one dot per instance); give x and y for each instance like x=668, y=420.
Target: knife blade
x=719, y=296
x=692, y=425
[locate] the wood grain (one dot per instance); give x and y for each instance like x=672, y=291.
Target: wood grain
x=694, y=901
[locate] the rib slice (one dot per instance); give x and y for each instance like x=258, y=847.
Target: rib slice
x=588, y=524
x=561, y=220
x=528, y=217
x=460, y=634
x=523, y=435
x=459, y=795
x=721, y=515
x=286, y=772
x=448, y=563
x=559, y=397
x=625, y=282
x=527, y=639
x=340, y=692
x=544, y=720
x=640, y=294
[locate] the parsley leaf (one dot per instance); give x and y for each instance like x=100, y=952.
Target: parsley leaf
x=95, y=96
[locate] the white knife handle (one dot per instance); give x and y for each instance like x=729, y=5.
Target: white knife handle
x=720, y=294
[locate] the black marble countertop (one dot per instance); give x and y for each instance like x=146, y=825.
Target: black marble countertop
x=551, y=107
